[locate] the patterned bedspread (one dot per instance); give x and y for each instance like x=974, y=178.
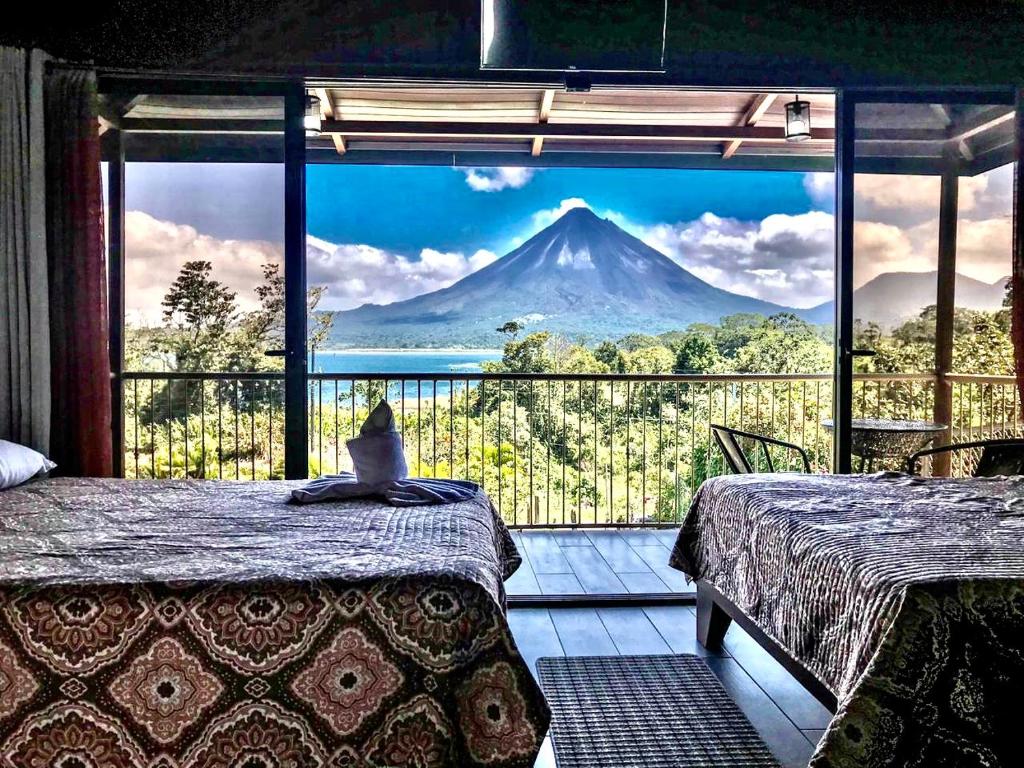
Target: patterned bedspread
x=168, y=624
x=905, y=596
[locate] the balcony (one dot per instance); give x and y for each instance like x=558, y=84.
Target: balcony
x=552, y=450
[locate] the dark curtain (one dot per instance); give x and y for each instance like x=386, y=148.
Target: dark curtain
x=80, y=366
x=1017, y=280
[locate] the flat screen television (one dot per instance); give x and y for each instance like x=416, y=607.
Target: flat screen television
x=573, y=35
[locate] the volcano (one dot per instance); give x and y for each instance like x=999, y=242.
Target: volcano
x=582, y=276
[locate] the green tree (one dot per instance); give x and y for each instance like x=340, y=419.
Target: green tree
x=634, y=341
x=198, y=311
x=579, y=359
x=531, y=355
x=697, y=354
x=610, y=356
x=653, y=359
x=510, y=329
x=784, y=343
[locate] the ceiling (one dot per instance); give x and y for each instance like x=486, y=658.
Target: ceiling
x=524, y=125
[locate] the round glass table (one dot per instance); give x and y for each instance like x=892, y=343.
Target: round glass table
x=872, y=439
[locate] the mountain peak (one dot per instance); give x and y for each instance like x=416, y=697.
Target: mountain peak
x=581, y=213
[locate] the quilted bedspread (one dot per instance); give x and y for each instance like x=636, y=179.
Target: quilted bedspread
x=166, y=624
x=905, y=596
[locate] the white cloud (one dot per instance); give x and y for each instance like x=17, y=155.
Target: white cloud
x=782, y=258
x=156, y=250
x=497, y=179
x=821, y=187
x=549, y=216
x=354, y=274
x=385, y=277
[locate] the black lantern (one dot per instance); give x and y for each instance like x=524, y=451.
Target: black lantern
x=311, y=120
x=798, y=120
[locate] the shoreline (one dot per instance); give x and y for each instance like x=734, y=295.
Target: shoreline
x=410, y=351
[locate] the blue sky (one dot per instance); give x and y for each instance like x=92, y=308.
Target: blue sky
x=404, y=209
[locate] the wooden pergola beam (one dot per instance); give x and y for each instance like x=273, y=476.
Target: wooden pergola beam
x=327, y=113
x=985, y=122
x=755, y=111
x=590, y=131
x=326, y=105
x=547, y=99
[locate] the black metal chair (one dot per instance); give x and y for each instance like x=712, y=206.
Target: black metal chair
x=728, y=440
x=998, y=457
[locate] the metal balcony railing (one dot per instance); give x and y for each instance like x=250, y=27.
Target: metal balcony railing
x=550, y=449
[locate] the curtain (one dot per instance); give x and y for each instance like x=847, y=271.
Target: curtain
x=80, y=365
x=24, y=303
x=1017, y=278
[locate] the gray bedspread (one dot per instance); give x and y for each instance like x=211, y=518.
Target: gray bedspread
x=202, y=623
x=905, y=596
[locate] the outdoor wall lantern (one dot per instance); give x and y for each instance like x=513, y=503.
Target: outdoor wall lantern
x=311, y=121
x=798, y=120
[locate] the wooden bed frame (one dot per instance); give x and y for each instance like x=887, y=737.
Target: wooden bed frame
x=715, y=612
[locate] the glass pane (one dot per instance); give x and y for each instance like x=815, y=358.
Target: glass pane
x=203, y=270
x=476, y=300
x=941, y=361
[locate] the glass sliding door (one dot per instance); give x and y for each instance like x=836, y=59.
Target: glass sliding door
x=197, y=199
x=925, y=234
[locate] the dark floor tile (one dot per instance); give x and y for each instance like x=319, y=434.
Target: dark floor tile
x=643, y=583
x=813, y=734
x=559, y=584
x=592, y=571
x=523, y=581
x=534, y=634
x=582, y=633
x=667, y=536
x=785, y=740
x=632, y=632
x=676, y=625
x=544, y=553
x=791, y=697
x=617, y=553
x=576, y=538
x=639, y=538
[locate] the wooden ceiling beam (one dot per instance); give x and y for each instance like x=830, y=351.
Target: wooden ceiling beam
x=547, y=99
x=755, y=111
x=985, y=122
x=326, y=105
x=327, y=113
x=611, y=132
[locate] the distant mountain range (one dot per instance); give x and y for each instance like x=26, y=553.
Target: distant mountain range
x=585, y=277
x=894, y=297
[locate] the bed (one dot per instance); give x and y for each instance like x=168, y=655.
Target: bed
x=897, y=600
x=202, y=623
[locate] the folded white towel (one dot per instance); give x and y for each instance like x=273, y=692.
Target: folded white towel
x=377, y=454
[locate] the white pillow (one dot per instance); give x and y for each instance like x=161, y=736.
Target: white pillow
x=19, y=464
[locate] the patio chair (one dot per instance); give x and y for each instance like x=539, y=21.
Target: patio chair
x=998, y=457
x=728, y=440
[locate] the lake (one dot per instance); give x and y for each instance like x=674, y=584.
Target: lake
x=395, y=362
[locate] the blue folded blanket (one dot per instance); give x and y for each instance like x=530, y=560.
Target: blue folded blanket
x=409, y=492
